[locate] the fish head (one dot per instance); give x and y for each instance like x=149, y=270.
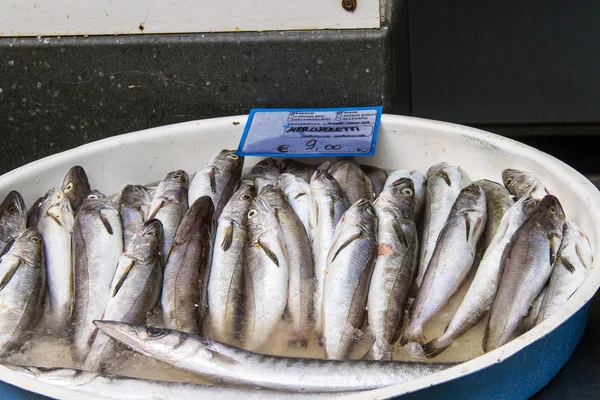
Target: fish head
x=471, y=197
x=268, y=162
x=399, y=197
x=165, y=344
x=228, y=160
x=133, y=196
x=76, y=186
x=363, y=214
x=13, y=216
x=174, y=186
x=146, y=244
x=273, y=196
x=261, y=219
x=293, y=167
x=522, y=183
x=239, y=203
x=324, y=183
x=29, y=247
x=56, y=376
x=95, y=202
x=573, y=236
x=551, y=210
x=56, y=205
x=285, y=180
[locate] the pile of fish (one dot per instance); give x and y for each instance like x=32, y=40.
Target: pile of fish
x=342, y=253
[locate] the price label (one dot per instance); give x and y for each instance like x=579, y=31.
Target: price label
x=273, y=132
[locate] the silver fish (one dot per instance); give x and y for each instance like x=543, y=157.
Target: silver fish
x=377, y=176
x=354, y=182
x=121, y=387
x=13, y=217
x=298, y=169
x=451, y=261
x=97, y=246
x=56, y=227
x=349, y=269
x=226, y=284
x=572, y=263
x=498, y=201
x=419, y=182
x=526, y=267
x=327, y=207
x=300, y=263
x=266, y=275
x=134, y=290
x=444, y=183
x=530, y=319
x=134, y=206
x=187, y=269
x=522, y=183
x=76, y=187
x=33, y=213
x=262, y=174
x=231, y=365
x=395, y=267
x=169, y=205
x=478, y=299
x=297, y=192
x=218, y=179
x=22, y=290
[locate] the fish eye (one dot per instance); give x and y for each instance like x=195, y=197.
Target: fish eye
x=177, y=177
x=93, y=197
x=245, y=197
x=233, y=156
x=35, y=239
x=151, y=232
x=407, y=192
x=252, y=213
x=13, y=210
x=508, y=181
x=69, y=187
x=154, y=332
x=552, y=209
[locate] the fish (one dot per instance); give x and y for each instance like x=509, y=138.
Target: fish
x=297, y=192
x=187, y=269
x=56, y=228
x=523, y=183
x=419, y=183
x=451, y=261
x=13, y=218
x=97, y=245
x=444, y=183
x=324, y=166
x=134, y=207
x=134, y=291
x=121, y=387
x=266, y=276
x=395, y=266
x=225, y=291
x=22, y=290
x=263, y=173
x=327, y=207
x=377, y=176
x=298, y=169
x=478, y=299
x=349, y=268
x=300, y=263
x=33, y=213
x=234, y=366
x=574, y=259
x=169, y=205
x=498, y=201
x=530, y=319
x=218, y=179
x=76, y=187
x=526, y=267
x=354, y=182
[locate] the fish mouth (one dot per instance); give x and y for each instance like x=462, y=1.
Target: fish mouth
x=121, y=332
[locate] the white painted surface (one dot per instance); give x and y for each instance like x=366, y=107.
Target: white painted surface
x=109, y=17
x=404, y=142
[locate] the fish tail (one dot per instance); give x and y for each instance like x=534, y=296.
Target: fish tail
x=379, y=351
x=436, y=346
x=413, y=334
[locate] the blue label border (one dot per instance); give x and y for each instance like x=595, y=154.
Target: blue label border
x=241, y=152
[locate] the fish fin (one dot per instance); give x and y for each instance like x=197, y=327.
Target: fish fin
x=554, y=246
x=53, y=217
x=221, y=358
x=152, y=213
x=567, y=264
x=213, y=183
x=580, y=255
x=123, y=277
x=7, y=247
x=468, y=222
x=446, y=178
x=10, y=273
x=228, y=239
x=269, y=253
x=299, y=195
x=397, y=226
x=434, y=348
x=105, y=222
x=346, y=243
